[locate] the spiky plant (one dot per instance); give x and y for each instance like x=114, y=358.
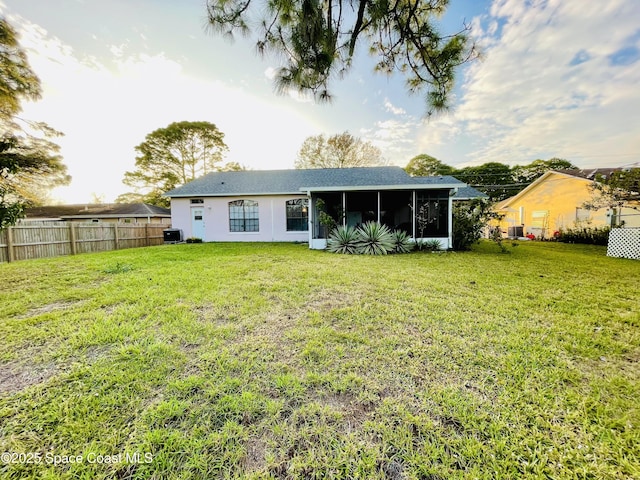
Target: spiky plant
x=343, y=240
x=433, y=245
x=375, y=239
x=401, y=242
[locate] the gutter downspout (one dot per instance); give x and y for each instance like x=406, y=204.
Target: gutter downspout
x=451, y=193
x=344, y=209
x=415, y=213
x=310, y=219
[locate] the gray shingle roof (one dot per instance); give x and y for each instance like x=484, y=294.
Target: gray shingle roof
x=98, y=210
x=590, y=173
x=468, y=193
x=270, y=182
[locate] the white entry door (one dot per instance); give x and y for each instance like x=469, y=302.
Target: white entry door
x=197, y=223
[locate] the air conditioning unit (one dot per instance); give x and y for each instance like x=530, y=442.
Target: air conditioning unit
x=172, y=235
x=515, y=232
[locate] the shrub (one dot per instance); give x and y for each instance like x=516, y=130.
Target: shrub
x=194, y=240
x=375, y=239
x=343, y=240
x=588, y=235
x=432, y=245
x=401, y=241
x=469, y=220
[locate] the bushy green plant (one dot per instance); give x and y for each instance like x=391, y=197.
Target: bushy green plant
x=118, y=268
x=401, y=242
x=469, y=220
x=587, y=235
x=375, y=239
x=194, y=240
x=343, y=240
x=433, y=245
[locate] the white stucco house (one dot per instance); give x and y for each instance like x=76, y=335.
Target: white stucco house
x=284, y=205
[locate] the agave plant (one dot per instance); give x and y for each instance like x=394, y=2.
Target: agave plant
x=343, y=240
x=433, y=245
x=401, y=242
x=375, y=239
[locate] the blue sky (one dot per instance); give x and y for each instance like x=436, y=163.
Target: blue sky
x=557, y=78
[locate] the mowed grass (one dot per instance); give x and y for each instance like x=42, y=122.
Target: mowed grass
x=273, y=361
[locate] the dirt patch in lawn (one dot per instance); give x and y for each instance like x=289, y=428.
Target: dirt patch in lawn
x=254, y=460
x=17, y=375
x=51, y=307
x=273, y=326
x=354, y=412
x=330, y=300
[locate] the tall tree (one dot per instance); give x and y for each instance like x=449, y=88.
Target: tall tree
x=493, y=178
x=425, y=166
x=526, y=174
x=621, y=188
x=342, y=150
x=318, y=40
x=29, y=165
x=232, y=167
x=173, y=156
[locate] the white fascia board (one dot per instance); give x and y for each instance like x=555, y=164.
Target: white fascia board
x=241, y=194
x=359, y=188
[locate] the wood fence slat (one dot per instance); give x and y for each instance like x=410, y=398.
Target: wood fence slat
x=49, y=239
x=10, y=251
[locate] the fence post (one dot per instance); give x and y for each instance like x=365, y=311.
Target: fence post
x=72, y=239
x=146, y=234
x=115, y=235
x=10, y=253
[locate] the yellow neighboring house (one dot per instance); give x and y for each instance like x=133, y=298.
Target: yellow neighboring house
x=556, y=201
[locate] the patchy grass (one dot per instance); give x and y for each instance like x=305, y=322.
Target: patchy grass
x=273, y=361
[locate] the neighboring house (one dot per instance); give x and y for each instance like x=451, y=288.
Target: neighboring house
x=556, y=201
x=286, y=205
x=115, y=212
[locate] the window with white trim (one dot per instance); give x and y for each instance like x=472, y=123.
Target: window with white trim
x=298, y=215
x=539, y=218
x=244, y=216
x=583, y=215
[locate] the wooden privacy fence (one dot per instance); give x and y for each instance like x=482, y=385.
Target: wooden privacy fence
x=50, y=239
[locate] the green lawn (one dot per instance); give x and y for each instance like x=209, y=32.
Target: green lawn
x=274, y=361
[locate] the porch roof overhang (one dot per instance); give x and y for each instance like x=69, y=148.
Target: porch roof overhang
x=370, y=188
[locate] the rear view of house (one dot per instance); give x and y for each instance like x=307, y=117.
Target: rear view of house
x=290, y=205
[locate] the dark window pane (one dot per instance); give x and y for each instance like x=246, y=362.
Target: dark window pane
x=298, y=215
x=243, y=216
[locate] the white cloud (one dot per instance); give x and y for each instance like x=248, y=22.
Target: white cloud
x=389, y=107
x=105, y=111
x=548, y=85
x=270, y=73
x=395, y=138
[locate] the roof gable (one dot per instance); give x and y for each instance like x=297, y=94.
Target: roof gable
x=532, y=186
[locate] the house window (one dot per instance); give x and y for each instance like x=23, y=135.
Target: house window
x=582, y=215
x=298, y=215
x=197, y=201
x=243, y=216
x=539, y=218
